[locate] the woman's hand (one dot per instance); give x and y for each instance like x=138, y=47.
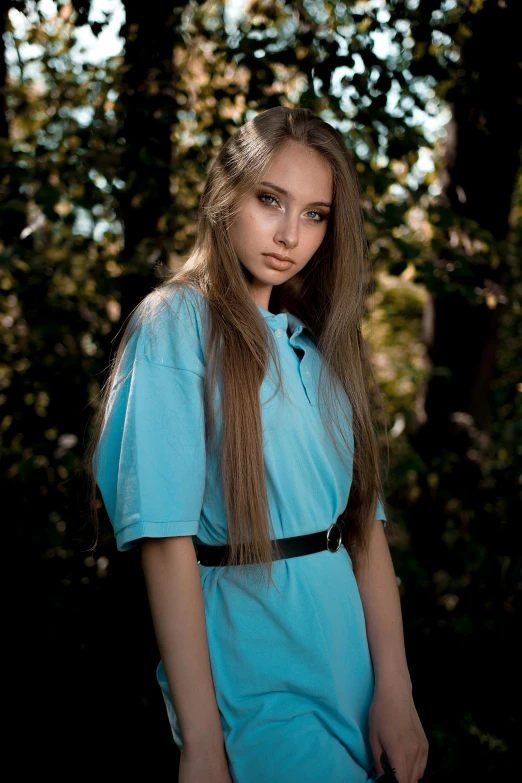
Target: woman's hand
x=395, y=728
x=203, y=765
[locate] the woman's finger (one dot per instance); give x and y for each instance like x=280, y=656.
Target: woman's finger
x=401, y=769
x=377, y=751
x=415, y=766
x=420, y=766
x=406, y=767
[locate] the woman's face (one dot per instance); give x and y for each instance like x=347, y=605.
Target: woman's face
x=287, y=215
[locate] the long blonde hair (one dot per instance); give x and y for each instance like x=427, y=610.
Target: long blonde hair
x=328, y=295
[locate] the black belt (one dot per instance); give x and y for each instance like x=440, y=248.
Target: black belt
x=293, y=546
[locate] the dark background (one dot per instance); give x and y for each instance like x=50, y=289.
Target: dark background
x=102, y=163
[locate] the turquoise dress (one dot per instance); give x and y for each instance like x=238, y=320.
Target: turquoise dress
x=291, y=665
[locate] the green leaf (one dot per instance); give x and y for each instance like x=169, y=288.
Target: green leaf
x=410, y=251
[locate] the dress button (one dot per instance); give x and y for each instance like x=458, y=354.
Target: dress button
x=307, y=371
x=279, y=332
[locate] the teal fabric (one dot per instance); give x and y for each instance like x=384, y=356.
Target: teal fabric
x=291, y=665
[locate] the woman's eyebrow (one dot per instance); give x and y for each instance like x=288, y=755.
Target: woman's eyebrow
x=286, y=193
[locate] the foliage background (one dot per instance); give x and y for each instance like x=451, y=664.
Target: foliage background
x=102, y=162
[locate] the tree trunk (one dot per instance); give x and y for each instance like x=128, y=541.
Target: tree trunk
x=148, y=109
x=482, y=161
x=13, y=219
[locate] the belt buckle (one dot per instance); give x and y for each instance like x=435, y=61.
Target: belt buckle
x=339, y=542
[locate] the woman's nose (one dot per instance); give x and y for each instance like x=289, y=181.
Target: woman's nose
x=288, y=232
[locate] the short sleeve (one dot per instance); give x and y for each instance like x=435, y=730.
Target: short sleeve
x=379, y=514
x=150, y=462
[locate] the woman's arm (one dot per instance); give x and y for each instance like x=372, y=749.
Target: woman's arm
x=176, y=600
x=382, y=609
x=394, y=724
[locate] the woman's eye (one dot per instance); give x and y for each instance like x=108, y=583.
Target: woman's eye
x=267, y=195
x=320, y=217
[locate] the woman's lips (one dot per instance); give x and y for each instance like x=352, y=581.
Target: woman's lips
x=275, y=263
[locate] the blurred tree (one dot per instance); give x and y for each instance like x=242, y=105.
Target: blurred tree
x=13, y=213
x=102, y=165
x=464, y=523
x=145, y=112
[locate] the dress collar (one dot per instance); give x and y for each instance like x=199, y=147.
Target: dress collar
x=279, y=321
x=283, y=320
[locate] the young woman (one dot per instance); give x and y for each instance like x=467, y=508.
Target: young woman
x=237, y=416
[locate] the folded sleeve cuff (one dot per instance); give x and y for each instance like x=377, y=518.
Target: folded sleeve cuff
x=127, y=536
x=379, y=514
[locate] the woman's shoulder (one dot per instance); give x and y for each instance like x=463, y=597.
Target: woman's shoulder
x=168, y=324
x=180, y=300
